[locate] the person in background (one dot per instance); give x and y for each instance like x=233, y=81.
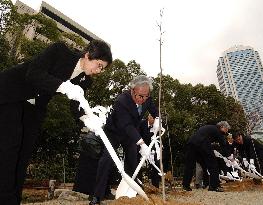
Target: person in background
x=249, y=149
x=122, y=127
x=199, y=149
x=25, y=91
x=201, y=177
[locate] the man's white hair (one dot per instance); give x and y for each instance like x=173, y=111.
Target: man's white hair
x=141, y=80
x=223, y=124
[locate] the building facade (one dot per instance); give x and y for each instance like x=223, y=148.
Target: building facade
x=240, y=75
x=64, y=23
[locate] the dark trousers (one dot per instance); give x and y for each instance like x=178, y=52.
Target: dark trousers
x=207, y=160
x=151, y=171
x=259, y=162
x=18, y=132
x=85, y=180
x=105, y=164
x=155, y=177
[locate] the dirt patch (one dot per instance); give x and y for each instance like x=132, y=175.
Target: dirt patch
x=153, y=200
x=245, y=185
x=246, y=192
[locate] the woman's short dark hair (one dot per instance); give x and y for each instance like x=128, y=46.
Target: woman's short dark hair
x=235, y=135
x=98, y=50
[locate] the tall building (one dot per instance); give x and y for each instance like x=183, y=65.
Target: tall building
x=64, y=23
x=240, y=75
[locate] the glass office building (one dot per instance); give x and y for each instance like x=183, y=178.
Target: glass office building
x=240, y=75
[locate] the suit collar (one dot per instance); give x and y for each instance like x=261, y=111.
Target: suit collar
x=130, y=104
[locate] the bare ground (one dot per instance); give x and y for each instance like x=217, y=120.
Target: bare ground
x=236, y=193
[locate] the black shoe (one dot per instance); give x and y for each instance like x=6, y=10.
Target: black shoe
x=90, y=197
x=217, y=189
x=187, y=188
x=198, y=186
x=204, y=186
x=95, y=201
x=109, y=196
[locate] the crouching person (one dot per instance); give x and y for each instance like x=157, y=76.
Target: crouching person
x=199, y=149
x=122, y=128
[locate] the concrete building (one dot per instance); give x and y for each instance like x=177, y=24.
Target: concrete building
x=240, y=75
x=64, y=23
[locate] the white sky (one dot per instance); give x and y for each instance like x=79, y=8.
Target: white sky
x=196, y=32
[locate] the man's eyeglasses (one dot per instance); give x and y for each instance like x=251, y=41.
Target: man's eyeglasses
x=144, y=97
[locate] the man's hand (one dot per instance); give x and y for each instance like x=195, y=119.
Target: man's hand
x=151, y=157
x=93, y=122
x=251, y=165
x=145, y=151
x=245, y=162
x=234, y=164
x=231, y=157
x=155, y=127
x=73, y=92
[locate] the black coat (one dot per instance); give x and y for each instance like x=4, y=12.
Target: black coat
x=250, y=148
x=41, y=76
x=206, y=135
x=124, y=120
x=38, y=78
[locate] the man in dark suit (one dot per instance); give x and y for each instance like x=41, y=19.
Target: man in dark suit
x=122, y=127
x=249, y=148
x=25, y=91
x=199, y=149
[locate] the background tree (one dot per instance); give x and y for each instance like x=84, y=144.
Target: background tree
x=6, y=16
x=7, y=10
x=109, y=84
x=4, y=55
x=188, y=107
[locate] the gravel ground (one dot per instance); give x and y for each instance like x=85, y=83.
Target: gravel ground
x=236, y=193
x=223, y=198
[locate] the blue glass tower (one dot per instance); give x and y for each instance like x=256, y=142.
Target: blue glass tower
x=240, y=75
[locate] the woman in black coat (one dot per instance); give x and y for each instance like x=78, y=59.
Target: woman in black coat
x=25, y=91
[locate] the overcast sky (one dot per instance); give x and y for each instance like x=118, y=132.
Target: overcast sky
x=196, y=33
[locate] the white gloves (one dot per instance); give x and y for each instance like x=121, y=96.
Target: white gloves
x=251, y=165
x=73, y=92
x=231, y=157
x=245, y=162
x=234, y=164
x=151, y=157
x=155, y=127
x=92, y=122
x=145, y=151
x=217, y=154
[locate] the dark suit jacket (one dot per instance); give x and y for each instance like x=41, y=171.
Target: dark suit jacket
x=249, y=147
x=40, y=76
x=206, y=135
x=124, y=120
